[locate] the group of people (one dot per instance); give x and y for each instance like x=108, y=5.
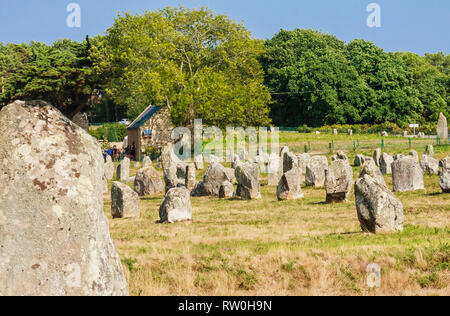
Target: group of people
x=117, y=154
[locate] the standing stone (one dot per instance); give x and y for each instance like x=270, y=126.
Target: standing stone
x=289, y=187
x=123, y=170
x=429, y=165
x=236, y=161
x=215, y=175
x=379, y=211
x=442, y=129
x=377, y=156
x=109, y=168
x=54, y=235
x=147, y=182
x=315, y=171
x=283, y=150
x=226, y=190
x=275, y=170
x=105, y=185
x=369, y=168
x=340, y=155
x=386, y=163
x=414, y=154
x=82, y=120
x=407, y=175
x=303, y=161
x=290, y=161
x=444, y=180
x=137, y=164
x=147, y=162
x=190, y=180
x=174, y=168
x=335, y=131
x=247, y=176
x=384, y=134
x=421, y=135
x=124, y=201
x=429, y=150
x=350, y=132
x=176, y=206
x=317, y=132
x=198, y=161
x=338, y=181
x=360, y=159
x=405, y=134
x=398, y=156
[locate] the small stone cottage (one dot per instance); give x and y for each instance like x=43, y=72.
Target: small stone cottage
x=151, y=128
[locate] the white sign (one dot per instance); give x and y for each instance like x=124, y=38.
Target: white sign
x=413, y=125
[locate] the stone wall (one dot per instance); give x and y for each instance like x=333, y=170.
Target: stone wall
x=162, y=128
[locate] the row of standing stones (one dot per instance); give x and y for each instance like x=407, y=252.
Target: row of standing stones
x=54, y=236
x=377, y=207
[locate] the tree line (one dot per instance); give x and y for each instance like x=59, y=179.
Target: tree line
x=203, y=65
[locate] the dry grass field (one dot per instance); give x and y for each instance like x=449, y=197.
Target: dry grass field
x=303, y=247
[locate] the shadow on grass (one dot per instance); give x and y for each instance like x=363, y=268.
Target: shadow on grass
x=435, y=194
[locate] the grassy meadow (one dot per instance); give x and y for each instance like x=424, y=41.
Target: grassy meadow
x=303, y=247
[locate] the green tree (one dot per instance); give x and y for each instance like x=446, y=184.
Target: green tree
x=198, y=64
x=61, y=74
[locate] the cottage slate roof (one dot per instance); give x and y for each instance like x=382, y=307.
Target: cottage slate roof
x=144, y=117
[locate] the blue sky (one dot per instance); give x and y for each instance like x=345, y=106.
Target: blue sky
x=406, y=25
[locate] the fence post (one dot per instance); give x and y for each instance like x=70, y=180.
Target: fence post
x=382, y=143
x=306, y=148
x=410, y=142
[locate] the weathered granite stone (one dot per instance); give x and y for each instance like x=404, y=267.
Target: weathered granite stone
x=290, y=161
x=147, y=162
x=123, y=170
x=350, y=132
x=405, y=134
x=226, y=190
x=82, y=120
x=247, y=176
x=109, y=168
x=407, y=175
x=386, y=163
x=442, y=129
x=360, y=159
x=338, y=181
x=147, y=182
x=340, y=155
x=124, y=201
x=174, y=168
x=54, y=236
x=429, y=165
x=376, y=156
x=176, y=206
x=199, y=189
x=215, y=175
x=275, y=170
x=379, y=211
x=444, y=179
x=315, y=171
x=190, y=179
x=289, y=186
x=198, y=161
x=414, y=154
x=384, y=134
x=369, y=168
x=335, y=132
x=303, y=161
x=398, y=156
x=429, y=150
x=236, y=161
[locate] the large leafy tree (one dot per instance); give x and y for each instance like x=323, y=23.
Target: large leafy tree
x=61, y=74
x=317, y=79
x=198, y=64
x=431, y=80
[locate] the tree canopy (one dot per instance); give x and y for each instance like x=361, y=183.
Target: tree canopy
x=61, y=74
x=317, y=79
x=198, y=64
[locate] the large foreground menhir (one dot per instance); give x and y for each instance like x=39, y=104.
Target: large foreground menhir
x=54, y=236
